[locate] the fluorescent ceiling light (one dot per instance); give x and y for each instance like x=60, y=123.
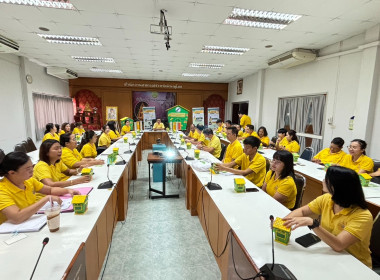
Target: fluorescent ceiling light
x=94, y=69
x=63, y=39
x=224, y=50
x=195, y=75
x=58, y=4
x=93, y=59
x=260, y=19
x=206, y=65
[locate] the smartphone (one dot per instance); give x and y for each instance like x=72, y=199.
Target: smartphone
x=307, y=240
x=251, y=190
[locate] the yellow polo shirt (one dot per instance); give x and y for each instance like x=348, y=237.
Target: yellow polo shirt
x=254, y=134
x=114, y=134
x=104, y=140
x=61, y=132
x=42, y=170
x=283, y=142
x=363, y=162
x=245, y=135
x=192, y=134
x=158, y=126
x=327, y=157
x=220, y=128
x=257, y=165
x=264, y=140
x=245, y=120
x=286, y=187
x=78, y=131
x=233, y=151
x=12, y=195
x=49, y=136
x=125, y=129
x=355, y=220
x=292, y=147
x=70, y=157
x=240, y=133
x=202, y=139
x=89, y=151
x=215, y=143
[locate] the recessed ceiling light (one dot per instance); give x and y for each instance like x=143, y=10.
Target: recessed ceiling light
x=63, y=39
x=43, y=28
x=224, y=50
x=94, y=69
x=206, y=65
x=58, y=4
x=93, y=59
x=260, y=19
x=195, y=75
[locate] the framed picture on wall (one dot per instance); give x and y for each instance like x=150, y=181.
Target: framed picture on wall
x=111, y=113
x=239, y=86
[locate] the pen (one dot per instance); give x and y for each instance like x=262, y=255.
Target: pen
x=15, y=233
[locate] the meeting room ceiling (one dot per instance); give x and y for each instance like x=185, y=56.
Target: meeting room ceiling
x=123, y=28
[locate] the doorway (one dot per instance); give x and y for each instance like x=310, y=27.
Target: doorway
x=236, y=107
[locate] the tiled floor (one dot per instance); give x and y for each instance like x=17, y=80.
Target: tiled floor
x=159, y=239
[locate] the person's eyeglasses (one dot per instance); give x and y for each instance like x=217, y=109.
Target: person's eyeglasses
x=353, y=148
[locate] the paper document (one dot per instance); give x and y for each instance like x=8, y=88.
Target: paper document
x=35, y=223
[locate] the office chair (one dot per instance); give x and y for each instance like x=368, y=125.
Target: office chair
x=300, y=185
x=31, y=146
x=224, y=147
x=20, y=148
x=2, y=155
x=374, y=245
x=307, y=154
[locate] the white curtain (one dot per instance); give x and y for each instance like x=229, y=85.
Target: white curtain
x=51, y=109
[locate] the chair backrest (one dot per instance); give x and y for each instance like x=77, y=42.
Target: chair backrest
x=300, y=185
x=307, y=154
x=375, y=168
x=224, y=147
x=31, y=146
x=2, y=155
x=375, y=242
x=267, y=166
x=20, y=148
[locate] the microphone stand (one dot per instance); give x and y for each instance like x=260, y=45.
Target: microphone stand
x=213, y=186
x=44, y=242
x=108, y=184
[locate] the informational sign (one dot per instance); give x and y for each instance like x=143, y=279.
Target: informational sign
x=149, y=114
x=178, y=117
x=213, y=116
x=198, y=116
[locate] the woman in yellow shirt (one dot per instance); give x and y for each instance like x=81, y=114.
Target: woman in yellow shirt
x=334, y=154
x=240, y=132
x=291, y=144
x=279, y=181
x=51, y=171
x=87, y=146
x=263, y=136
x=126, y=128
x=104, y=139
x=50, y=132
x=70, y=155
x=18, y=201
x=220, y=125
x=78, y=129
x=346, y=223
x=113, y=134
x=65, y=128
x=356, y=158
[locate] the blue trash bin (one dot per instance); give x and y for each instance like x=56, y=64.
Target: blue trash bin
x=158, y=167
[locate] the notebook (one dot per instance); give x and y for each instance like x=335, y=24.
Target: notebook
x=34, y=223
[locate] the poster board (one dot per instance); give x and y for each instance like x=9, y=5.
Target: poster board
x=198, y=116
x=178, y=117
x=213, y=116
x=149, y=114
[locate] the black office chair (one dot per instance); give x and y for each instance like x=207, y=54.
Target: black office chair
x=20, y=148
x=31, y=146
x=307, y=154
x=2, y=155
x=274, y=139
x=375, y=168
x=374, y=245
x=300, y=185
x=224, y=147
x=267, y=164
x=100, y=149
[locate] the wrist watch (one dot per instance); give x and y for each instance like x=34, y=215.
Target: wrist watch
x=314, y=225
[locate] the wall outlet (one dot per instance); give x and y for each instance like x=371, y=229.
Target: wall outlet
x=330, y=120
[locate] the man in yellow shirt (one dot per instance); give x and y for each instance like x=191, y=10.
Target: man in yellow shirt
x=213, y=146
x=192, y=133
x=244, y=119
x=334, y=154
x=253, y=165
x=249, y=130
x=158, y=125
x=228, y=124
x=281, y=133
x=126, y=128
x=201, y=137
x=234, y=149
x=220, y=125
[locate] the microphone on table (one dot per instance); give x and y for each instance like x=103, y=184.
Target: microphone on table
x=129, y=151
x=44, y=242
x=188, y=157
x=272, y=271
x=121, y=162
x=213, y=186
x=133, y=143
x=108, y=184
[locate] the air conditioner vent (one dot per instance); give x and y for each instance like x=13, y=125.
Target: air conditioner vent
x=292, y=58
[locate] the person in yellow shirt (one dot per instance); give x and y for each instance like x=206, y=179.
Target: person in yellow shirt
x=104, y=139
x=18, y=201
x=220, y=125
x=126, y=128
x=78, y=129
x=65, y=128
x=192, y=133
x=50, y=132
x=253, y=165
x=244, y=119
x=249, y=130
x=201, y=137
x=281, y=133
x=234, y=149
x=240, y=132
x=158, y=125
x=228, y=124
x=334, y=154
x=279, y=181
x=263, y=136
x=70, y=155
x=113, y=134
x=356, y=158
x=87, y=146
x=51, y=171
x=213, y=146
x=346, y=223
x=290, y=142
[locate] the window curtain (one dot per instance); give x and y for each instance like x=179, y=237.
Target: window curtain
x=51, y=109
x=317, y=114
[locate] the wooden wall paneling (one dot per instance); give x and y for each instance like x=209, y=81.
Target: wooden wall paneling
x=189, y=101
x=194, y=189
x=222, y=261
x=101, y=229
x=92, y=261
x=115, y=206
x=110, y=213
x=213, y=226
x=122, y=98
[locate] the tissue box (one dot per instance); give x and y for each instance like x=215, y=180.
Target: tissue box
x=239, y=184
x=80, y=203
x=281, y=233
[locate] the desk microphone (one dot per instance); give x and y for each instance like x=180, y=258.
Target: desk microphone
x=213, y=186
x=188, y=157
x=121, y=162
x=133, y=143
x=44, y=242
x=129, y=151
x=272, y=271
x=108, y=184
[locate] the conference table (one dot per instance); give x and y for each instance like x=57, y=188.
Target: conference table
x=228, y=219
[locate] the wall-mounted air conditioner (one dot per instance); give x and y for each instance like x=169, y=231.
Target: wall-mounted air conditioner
x=292, y=58
x=8, y=46
x=61, y=72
